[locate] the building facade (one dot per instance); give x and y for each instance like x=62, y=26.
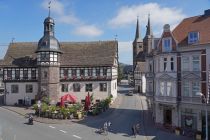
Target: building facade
x=181, y=71
x=52, y=69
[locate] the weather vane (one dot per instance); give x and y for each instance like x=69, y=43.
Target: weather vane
x=49, y=7
x=115, y=37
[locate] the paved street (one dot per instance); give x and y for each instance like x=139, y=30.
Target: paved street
x=127, y=111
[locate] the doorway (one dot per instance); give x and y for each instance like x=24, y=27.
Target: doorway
x=167, y=116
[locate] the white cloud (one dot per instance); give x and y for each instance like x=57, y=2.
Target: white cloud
x=88, y=30
x=159, y=15
x=125, y=52
x=58, y=9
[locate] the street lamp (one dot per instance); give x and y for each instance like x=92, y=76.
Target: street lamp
x=206, y=102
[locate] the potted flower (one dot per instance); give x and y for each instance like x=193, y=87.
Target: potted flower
x=198, y=135
x=177, y=131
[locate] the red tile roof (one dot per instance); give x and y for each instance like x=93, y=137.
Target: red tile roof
x=199, y=24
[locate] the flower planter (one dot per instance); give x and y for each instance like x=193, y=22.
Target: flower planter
x=177, y=132
x=198, y=136
x=79, y=115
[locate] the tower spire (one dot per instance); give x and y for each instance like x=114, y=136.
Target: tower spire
x=149, y=29
x=49, y=6
x=137, y=36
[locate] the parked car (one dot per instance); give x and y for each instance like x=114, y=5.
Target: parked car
x=130, y=93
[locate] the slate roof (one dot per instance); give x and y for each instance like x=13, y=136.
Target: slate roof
x=193, y=24
x=74, y=54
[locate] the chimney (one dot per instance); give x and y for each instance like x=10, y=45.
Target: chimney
x=207, y=12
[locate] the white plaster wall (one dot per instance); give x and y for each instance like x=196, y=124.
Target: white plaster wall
x=12, y=98
x=144, y=83
x=114, y=88
x=97, y=94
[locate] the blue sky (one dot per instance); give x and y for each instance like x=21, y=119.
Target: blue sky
x=81, y=20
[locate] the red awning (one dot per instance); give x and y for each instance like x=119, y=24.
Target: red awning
x=68, y=98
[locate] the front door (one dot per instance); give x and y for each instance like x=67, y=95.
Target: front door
x=167, y=116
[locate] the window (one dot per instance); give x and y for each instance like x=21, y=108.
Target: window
x=25, y=74
x=165, y=64
x=14, y=89
x=166, y=44
x=193, y=37
x=9, y=74
x=97, y=72
x=196, y=63
x=90, y=72
x=76, y=87
x=169, y=89
x=17, y=74
x=104, y=71
x=64, y=87
x=185, y=63
x=186, y=88
x=195, y=88
x=88, y=87
x=161, y=88
x=74, y=72
x=103, y=87
x=33, y=74
x=29, y=88
x=82, y=72
x=172, y=64
x=65, y=73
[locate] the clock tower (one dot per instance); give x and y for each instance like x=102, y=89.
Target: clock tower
x=48, y=62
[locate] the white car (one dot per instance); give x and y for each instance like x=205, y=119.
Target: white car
x=130, y=93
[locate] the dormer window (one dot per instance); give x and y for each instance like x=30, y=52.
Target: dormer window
x=193, y=37
x=166, y=44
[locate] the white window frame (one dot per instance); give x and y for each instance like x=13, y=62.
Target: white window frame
x=193, y=37
x=186, y=86
x=195, y=88
x=195, y=67
x=168, y=88
x=185, y=65
x=167, y=41
x=162, y=88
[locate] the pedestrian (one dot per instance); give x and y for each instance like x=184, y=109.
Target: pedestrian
x=138, y=128
x=105, y=127
x=134, y=130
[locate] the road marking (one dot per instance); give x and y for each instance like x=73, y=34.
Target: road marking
x=77, y=136
x=63, y=131
x=52, y=127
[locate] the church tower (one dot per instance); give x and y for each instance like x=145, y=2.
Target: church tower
x=48, y=62
x=148, y=39
x=137, y=45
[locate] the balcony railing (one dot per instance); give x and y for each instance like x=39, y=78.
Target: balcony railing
x=191, y=99
x=166, y=99
x=86, y=78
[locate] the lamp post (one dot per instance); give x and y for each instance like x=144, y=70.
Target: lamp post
x=206, y=103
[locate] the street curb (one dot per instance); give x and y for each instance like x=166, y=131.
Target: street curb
x=34, y=118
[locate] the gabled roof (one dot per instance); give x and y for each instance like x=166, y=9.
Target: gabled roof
x=199, y=24
x=99, y=53
x=167, y=33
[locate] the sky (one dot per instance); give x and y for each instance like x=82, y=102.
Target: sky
x=93, y=20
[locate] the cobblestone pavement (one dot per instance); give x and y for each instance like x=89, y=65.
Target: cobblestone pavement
x=23, y=111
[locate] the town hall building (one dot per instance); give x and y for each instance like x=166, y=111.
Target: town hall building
x=51, y=68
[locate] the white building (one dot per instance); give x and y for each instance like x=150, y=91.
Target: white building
x=51, y=68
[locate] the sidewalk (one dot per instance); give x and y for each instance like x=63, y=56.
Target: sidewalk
x=150, y=129
x=23, y=111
